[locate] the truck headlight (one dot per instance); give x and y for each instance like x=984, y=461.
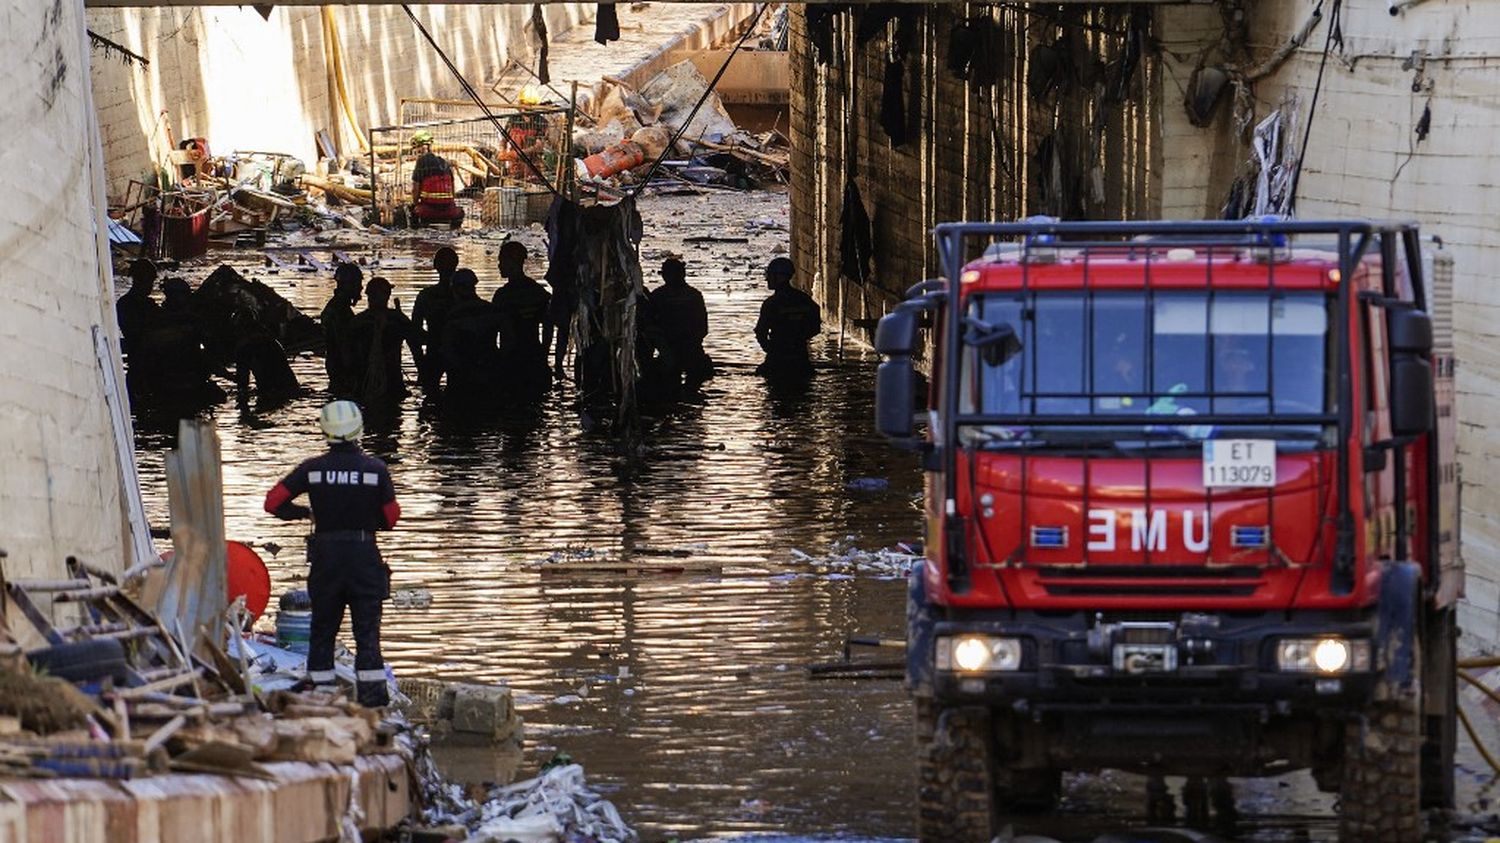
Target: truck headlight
x=978, y=653
x=1327, y=655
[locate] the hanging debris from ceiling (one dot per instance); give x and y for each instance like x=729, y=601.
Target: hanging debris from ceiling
x=113, y=50
x=539, y=29
x=606, y=24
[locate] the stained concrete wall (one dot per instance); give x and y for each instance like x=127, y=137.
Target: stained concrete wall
x=249, y=83
x=1365, y=159
x=60, y=478
x=975, y=150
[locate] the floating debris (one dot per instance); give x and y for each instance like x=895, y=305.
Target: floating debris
x=844, y=559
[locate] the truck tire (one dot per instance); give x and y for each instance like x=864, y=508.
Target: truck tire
x=955, y=774
x=1380, y=797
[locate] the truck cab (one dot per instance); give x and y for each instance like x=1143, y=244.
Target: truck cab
x=1191, y=510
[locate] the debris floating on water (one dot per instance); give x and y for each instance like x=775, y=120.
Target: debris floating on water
x=845, y=559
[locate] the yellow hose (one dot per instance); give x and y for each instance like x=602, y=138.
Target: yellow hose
x=336, y=52
x=1469, y=727
x=1489, y=692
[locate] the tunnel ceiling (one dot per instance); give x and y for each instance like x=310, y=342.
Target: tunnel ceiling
x=101, y=4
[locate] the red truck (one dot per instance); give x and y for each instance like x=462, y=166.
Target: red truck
x=1191, y=505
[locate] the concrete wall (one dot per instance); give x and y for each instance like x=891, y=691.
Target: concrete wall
x=250, y=83
x=973, y=148
x=1364, y=159
x=60, y=478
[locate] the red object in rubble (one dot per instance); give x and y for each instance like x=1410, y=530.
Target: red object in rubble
x=247, y=575
x=616, y=159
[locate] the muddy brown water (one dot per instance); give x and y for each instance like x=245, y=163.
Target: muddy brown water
x=671, y=665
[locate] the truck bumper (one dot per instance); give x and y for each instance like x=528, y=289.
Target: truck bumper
x=1223, y=708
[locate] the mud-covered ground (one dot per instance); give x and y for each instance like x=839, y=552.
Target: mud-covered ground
x=655, y=613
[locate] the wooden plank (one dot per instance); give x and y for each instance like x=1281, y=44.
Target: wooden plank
x=160, y=736
x=166, y=684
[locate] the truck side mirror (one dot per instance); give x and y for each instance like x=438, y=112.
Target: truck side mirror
x=895, y=396
x=1412, y=402
x=1410, y=331
x=896, y=333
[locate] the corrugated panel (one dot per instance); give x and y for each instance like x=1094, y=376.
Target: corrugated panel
x=1439, y=271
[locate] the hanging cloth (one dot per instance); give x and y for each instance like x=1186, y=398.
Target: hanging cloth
x=855, y=243
x=606, y=24
x=893, y=102
x=539, y=27
x=820, y=30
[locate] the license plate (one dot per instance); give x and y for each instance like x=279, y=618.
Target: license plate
x=1145, y=658
x=1238, y=463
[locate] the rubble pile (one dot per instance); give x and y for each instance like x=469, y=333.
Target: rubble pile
x=629, y=130
x=119, y=696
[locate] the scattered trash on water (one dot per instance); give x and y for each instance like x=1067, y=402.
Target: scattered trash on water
x=868, y=484
x=845, y=560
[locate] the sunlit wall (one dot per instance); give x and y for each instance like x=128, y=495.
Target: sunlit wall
x=1366, y=158
x=248, y=83
x=60, y=487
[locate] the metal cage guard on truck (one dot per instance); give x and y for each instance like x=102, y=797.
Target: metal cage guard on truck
x=1354, y=239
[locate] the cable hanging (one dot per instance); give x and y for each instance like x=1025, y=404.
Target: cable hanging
x=1334, y=31
x=474, y=95
x=749, y=29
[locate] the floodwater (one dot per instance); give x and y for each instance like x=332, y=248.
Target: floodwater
x=649, y=609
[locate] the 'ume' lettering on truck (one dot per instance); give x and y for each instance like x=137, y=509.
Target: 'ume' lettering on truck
x=1191, y=510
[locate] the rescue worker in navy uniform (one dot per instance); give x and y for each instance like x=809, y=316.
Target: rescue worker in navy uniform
x=351, y=497
x=788, y=320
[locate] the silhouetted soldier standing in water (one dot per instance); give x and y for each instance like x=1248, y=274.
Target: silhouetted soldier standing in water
x=682, y=321
x=789, y=319
x=376, y=335
x=338, y=357
x=526, y=327
x=471, y=346
x=430, y=313
x=135, y=310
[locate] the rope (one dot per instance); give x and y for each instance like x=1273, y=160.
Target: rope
x=1312, y=110
x=749, y=29
x=474, y=95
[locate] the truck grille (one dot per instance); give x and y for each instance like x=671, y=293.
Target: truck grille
x=1147, y=580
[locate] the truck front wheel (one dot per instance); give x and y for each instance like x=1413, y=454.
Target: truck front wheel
x=1380, y=796
x=955, y=774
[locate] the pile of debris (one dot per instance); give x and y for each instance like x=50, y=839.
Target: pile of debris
x=117, y=695
x=629, y=130
x=238, y=198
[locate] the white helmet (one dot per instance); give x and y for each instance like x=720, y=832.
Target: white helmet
x=342, y=421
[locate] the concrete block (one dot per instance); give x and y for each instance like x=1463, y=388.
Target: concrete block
x=484, y=711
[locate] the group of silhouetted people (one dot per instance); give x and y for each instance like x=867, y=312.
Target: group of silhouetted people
x=171, y=357
x=477, y=354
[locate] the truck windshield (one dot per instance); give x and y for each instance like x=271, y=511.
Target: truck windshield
x=1259, y=355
